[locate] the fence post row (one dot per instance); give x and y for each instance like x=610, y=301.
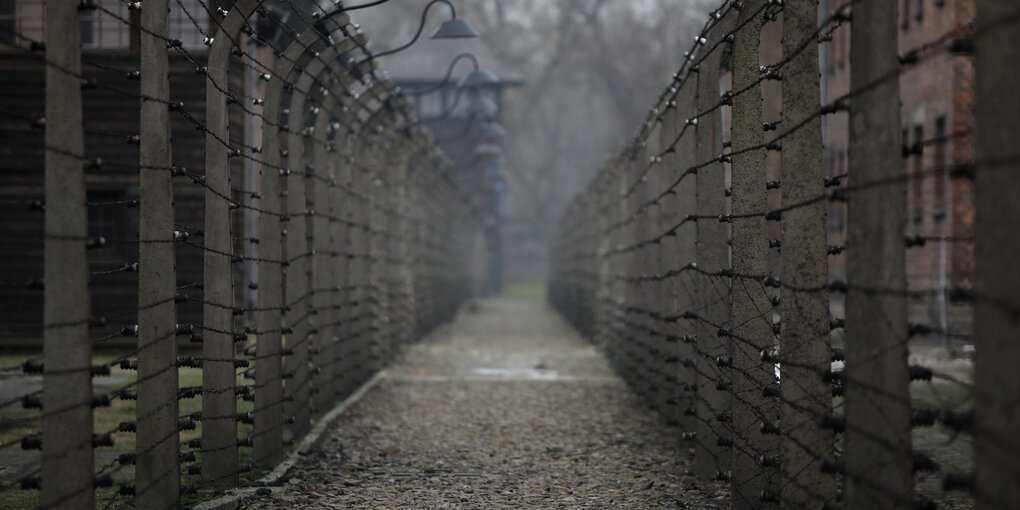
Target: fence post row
x=219, y=401
x=298, y=275
x=769, y=410
x=360, y=250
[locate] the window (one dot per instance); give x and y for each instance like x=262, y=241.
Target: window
x=100, y=29
x=188, y=22
x=920, y=11
x=905, y=15
x=106, y=210
x=941, y=173
x=8, y=23
x=86, y=24
x=917, y=179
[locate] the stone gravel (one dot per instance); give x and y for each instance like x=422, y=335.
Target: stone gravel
x=507, y=407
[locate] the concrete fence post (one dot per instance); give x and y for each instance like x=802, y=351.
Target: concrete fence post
x=712, y=454
x=67, y=458
x=997, y=416
x=751, y=331
x=219, y=400
x=804, y=316
x=877, y=458
x=157, y=472
x=318, y=191
x=267, y=442
x=299, y=281
x=681, y=290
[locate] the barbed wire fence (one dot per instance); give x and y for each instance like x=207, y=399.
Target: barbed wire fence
x=361, y=243
x=700, y=259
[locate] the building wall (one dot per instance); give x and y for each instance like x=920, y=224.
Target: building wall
x=936, y=97
x=111, y=117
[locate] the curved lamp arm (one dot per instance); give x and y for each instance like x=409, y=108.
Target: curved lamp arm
x=421, y=26
x=468, y=126
x=449, y=73
x=446, y=114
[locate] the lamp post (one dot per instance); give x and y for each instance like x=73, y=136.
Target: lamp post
x=453, y=28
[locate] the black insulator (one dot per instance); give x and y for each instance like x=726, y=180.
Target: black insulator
x=958, y=481
x=830, y=375
x=33, y=442
x=923, y=463
x=916, y=240
x=832, y=465
x=32, y=366
x=30, y=483
x=924, y=503
x=834, y=422
x=101, y=440
x=957, y=420
x=923, y=417
x=962, y=171
x=919, y=373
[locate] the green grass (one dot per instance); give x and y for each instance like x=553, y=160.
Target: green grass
x=525, y=290
x=106, y=419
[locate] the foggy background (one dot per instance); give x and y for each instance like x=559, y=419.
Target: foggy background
x=590, y=68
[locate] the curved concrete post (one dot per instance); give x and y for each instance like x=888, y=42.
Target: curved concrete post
x=67, y=457
x=878, y=467
x=219, y=402
x=328, y=296
x=749, y=376
x=804, y=344
x=268, y=442
x=296, y=292
x=157, y=471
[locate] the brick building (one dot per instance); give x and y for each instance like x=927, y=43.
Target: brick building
x=110, y=43
x=936, y=94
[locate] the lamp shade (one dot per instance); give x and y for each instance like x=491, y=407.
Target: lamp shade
x=455, y=29
x=492, y=131
x=488, y=150
x=479, y=78
x=482, y=107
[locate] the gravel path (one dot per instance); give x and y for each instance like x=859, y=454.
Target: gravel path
x=505, y=408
